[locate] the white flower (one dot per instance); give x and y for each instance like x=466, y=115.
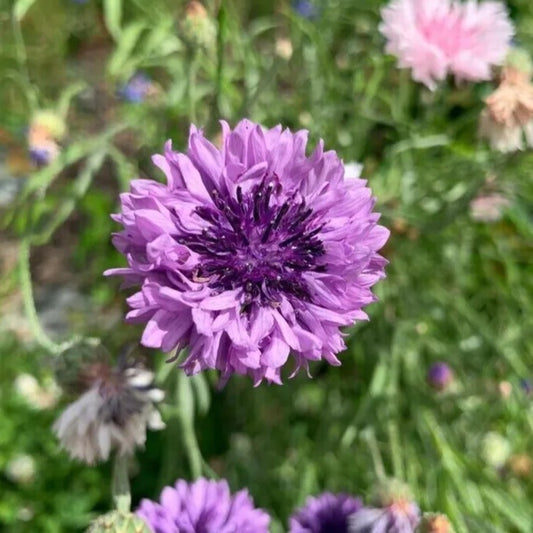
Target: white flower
x=37, y=396
x=21, y=469
x=352, y=170
x=112, y=415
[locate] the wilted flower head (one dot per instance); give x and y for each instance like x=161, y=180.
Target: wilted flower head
x=138, y=88
x=440, y=375
x=46, y=128
x=203, y=506
x=395, y=511
x=437, y=37
x=435, y=523
x=327, y=513
x=112, y=413
x=250, y=252
x=507, y=120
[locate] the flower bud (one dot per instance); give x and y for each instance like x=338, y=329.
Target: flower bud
x=199, y=29
x=435, y=523
x=118, y=522
x=440, y=376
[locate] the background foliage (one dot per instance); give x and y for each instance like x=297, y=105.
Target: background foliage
x=457, y=290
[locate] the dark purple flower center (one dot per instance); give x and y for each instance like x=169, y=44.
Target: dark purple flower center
x=255, y=244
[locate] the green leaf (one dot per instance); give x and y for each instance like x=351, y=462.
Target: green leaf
x=21, y=7
x=113, y=17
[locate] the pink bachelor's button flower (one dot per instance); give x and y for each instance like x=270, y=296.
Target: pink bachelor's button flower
x=250, y=252
x=438, y=37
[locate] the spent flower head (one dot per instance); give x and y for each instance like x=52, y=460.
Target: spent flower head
x=435, y=38
x=507, y=120
x=250, y=252
x=203, y=506
x=116, y=406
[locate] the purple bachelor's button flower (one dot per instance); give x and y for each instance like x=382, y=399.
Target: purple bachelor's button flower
x=327, y=513
x=203, y=507
x=440, y=375
x=250, y=252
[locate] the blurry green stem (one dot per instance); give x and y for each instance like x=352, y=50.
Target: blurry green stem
x=29, y=303
x=376, y=455
x=191, y=83
x=22, y=59
x=186, y=416
x=120, y=487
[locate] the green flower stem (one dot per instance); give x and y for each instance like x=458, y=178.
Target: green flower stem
x=29, y=303
x=186, y=416
x=120, y=487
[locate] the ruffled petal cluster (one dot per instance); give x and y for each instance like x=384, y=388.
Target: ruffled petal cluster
x=435, y=38
x=203, y=507
x=250, y=252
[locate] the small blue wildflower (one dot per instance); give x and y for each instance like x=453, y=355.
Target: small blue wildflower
x=305, y=9
x=137, y=88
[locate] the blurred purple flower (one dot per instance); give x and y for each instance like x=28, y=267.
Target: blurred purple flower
x=440, y=375
x=137, y=89
x=203, y=507
x=250, y=252
x=327, y=513
x=398, y=517
x=305, y=9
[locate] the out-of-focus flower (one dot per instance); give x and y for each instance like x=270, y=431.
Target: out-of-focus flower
x=198, y=27
x=113, y=413
x=45, y=130
x=437, y=37
x=395, y=511
x=505, y=389
x=284, y=48
x=203, y=506
x=250, y=252
x=507, y=120
x=488, y=207
x=305, y=8
x=327, y=513
x=440, y=375
x=139, y=88
x=35, y=395
x=119, y=522
x=435, y=523
x=521, y=465
x=495, y=450
x=21, y=469
x=352, y=170
x=526, y=386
